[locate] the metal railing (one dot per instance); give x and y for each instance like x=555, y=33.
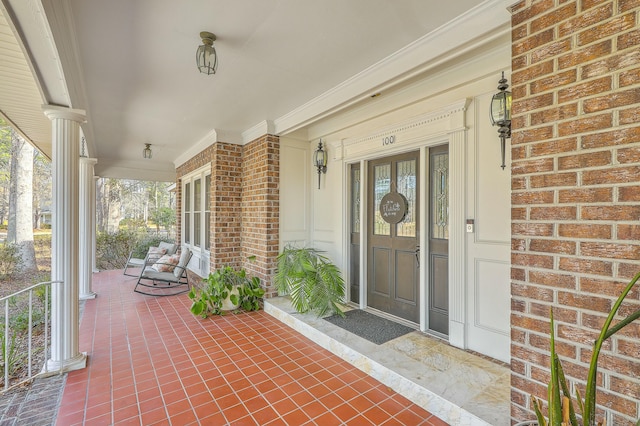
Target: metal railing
x=12, y=361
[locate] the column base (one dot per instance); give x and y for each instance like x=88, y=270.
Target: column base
x=76, y=363
x=87, y=296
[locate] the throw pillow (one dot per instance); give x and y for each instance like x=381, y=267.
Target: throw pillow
x=166, y=263
x=155, y=253
x=184, y=256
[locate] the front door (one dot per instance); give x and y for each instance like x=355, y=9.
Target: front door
x=392, y=252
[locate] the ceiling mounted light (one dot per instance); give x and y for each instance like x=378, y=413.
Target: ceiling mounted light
x=206, y=58
x=146, y=152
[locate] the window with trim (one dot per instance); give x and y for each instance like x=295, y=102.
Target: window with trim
x=196, y=209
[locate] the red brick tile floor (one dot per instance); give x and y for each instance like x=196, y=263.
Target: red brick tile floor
x=151, y=362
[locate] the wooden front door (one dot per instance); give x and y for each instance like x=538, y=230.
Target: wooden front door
x=392, y=252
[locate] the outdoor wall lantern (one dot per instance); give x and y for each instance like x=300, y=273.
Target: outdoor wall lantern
x=146, y=152
x=206, y=57
x=501, y=114
x=320, y=161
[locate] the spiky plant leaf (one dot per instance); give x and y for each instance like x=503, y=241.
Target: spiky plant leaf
x=312, y=281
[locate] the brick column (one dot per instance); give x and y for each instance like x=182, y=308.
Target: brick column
x=260, y=208
x=575, y=194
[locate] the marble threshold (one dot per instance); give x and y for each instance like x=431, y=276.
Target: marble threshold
x=459, y=387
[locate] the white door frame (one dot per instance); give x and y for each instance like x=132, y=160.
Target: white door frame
x=447, y=125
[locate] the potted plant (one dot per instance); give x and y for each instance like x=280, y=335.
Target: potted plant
x=226, y=289
x=561, y=408
x=312, y=281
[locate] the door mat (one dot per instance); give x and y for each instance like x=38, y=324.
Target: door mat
x=369, y=326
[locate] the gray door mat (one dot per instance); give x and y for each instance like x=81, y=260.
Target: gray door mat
x=369, y=326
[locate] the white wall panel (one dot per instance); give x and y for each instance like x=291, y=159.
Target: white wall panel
x=491, y=286
x=492, y=184
x=294, y=192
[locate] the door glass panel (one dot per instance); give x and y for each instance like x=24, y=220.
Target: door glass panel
x=355, y=199
x=187, y=213
x=406, y=171
x=440, y=194
x=197, y=208
x=381, y=186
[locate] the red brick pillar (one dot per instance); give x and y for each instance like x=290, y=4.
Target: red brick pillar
x=575, y=195
x=260, y=208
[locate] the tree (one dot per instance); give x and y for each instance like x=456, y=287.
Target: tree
x=41, y=187
x=20, y=229
x=163, y=217
x=5, y=161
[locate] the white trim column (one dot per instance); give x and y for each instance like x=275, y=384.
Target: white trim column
x=87, y=227
x=65, y=352
x=95, y=232
x=457, y=225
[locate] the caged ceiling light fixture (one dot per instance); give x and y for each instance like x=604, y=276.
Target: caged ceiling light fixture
x=206, y=57
x=501, y=114
x=146, y=152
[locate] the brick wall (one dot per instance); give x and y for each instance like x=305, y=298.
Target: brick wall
x=260, y=208
x=226, y=197
x=244, y=205
x=575, y=192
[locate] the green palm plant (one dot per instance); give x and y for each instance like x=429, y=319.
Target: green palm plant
x=313, y=282
x=560, y=404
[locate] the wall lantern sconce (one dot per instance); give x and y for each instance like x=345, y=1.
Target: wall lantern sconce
x=206, y=57
x=146, y=152
x=501, y=114
x=320, y=161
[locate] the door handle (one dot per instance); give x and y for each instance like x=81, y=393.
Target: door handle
x=418, y=256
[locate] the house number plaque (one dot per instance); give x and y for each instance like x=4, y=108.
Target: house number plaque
x=393, y=207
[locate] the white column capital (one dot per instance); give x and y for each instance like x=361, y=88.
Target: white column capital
x=57, y=112
x=88, y=161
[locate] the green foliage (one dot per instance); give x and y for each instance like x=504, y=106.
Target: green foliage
x=10, y=259
x=560, y=404
x=226, y=283
x=133, y=224
x=146, y=241
x=311, y=279
x=164, y=217
x=112, y=249
x=20, y=321
x=9, y=356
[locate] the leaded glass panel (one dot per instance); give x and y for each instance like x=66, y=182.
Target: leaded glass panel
x=440, y=194
x=381, y=186
x=355, y=199
x=406, y=178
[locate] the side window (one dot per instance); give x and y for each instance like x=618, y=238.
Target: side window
x=187, y=213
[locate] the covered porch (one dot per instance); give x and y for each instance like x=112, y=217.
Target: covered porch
x=153, y=362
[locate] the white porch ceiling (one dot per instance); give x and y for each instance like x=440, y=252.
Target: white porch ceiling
x=131, y=65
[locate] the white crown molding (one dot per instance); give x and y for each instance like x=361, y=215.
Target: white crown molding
x=263, y=128
x=409, y=133
x=481, y=24
x=208, y=140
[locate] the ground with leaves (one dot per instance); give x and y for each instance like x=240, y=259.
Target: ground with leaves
x=18, y=309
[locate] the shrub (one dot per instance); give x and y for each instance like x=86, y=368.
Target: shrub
x=143, y=244
x=10, y=259
x=112, y=249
